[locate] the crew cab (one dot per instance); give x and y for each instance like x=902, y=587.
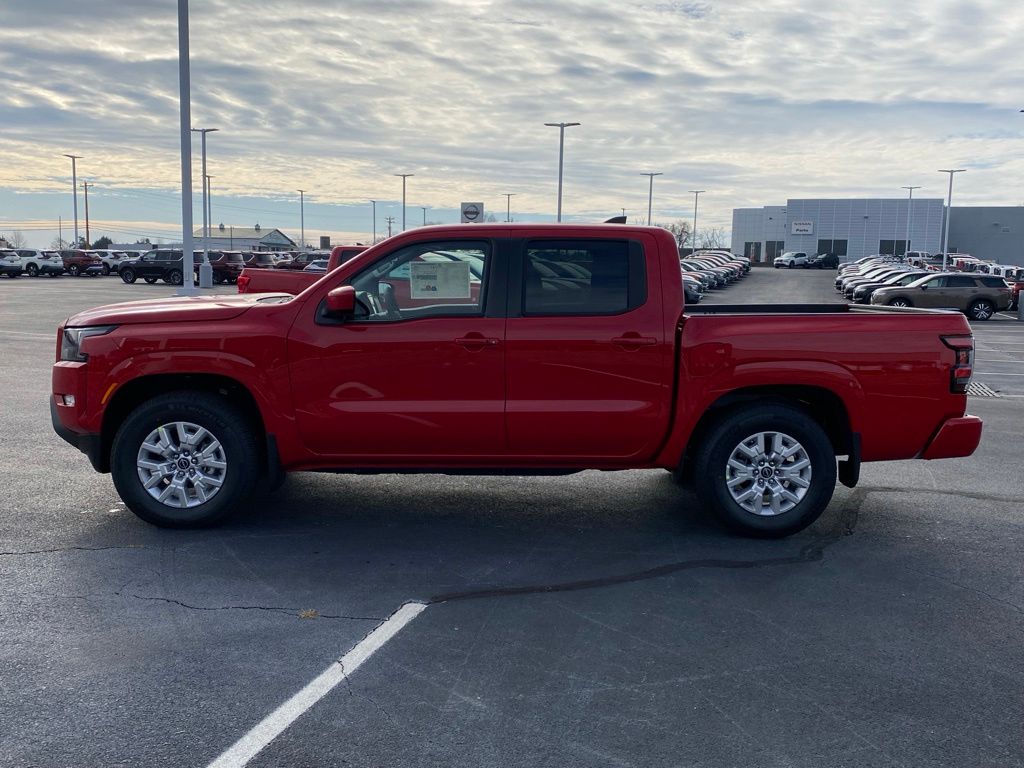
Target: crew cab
x=469, y=349
x=256, y=280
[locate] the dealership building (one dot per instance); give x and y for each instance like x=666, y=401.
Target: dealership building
x=853, y=228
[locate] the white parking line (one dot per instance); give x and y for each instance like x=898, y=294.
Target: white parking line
x=994, y=373
x=274, y=724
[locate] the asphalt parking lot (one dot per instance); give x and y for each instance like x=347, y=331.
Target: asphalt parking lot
x=600, y=619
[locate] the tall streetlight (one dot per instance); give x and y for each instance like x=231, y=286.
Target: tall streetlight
x=949, y=213
x=693, y=236
x=650, y=194
x=404, y=177
x=424, y=207
x=910, y=206
x=208, y=188
x=561, y=157
x=205, y=269
x=302, y=218
x=188, y=286
x=85, y=191
x=508, y=205
x=74, y=191
x=374, y=204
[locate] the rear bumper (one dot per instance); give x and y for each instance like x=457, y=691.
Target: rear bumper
x=89, y=444
x=8, y=269
x=957, y=437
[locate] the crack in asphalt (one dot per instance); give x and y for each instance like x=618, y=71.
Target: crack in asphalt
x=812, y=552
x=943, y=492
x=71, y=549
x=273, y=609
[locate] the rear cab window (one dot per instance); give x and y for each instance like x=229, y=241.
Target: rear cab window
x=582, y=277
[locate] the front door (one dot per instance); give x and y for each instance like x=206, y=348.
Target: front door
x=589, y=365
x=419, y=371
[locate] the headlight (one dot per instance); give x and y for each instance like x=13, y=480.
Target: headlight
x=71, y=341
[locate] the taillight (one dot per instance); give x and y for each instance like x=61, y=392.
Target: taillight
x=963, y=363
x=243, y=284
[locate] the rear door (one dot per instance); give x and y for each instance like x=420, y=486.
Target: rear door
x=589, y=367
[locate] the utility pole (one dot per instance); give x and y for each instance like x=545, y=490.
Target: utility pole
x=390, y=220
x=302, y=218
x=205, y=270
x=650, y=194
x=561, y=157
x=508, y=205
x=188, y=285
x=374, y=204
x=910, y=206
x=85, y=189
x=60, y=233
x=424, y=207
x=74, y=190
x=209, y=200
x=949, y=214
x=404, y=177
x=693, y=235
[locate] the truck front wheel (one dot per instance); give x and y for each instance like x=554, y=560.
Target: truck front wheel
x=185, y=460
x=767, y=471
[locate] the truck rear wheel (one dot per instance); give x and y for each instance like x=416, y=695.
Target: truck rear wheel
x=767, y=471
x=185, y=460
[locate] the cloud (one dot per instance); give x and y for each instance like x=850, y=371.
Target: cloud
x=755, y=102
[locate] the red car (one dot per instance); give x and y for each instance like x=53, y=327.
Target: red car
x=79, y=262
x=520, y=348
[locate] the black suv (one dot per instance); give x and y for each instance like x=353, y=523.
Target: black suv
x=823, y=261
x=160, y=264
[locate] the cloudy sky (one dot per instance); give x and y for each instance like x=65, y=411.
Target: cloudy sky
x=753, y=101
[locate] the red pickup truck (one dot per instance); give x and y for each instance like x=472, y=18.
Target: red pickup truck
x=511, y=349
x=255, y=280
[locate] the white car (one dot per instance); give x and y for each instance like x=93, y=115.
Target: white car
x=37, y=263
x=10, y=263
x=111, y=259
x=791, y=259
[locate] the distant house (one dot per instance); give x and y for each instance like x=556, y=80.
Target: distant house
x=231, y=238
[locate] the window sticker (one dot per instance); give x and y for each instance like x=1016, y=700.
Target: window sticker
x=439, y=280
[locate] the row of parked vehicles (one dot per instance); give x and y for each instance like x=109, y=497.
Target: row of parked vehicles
x=38, y=263
x=791, y=259
x=708, y=270
x=890, y=282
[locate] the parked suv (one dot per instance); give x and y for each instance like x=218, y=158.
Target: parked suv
x=41, y=263
x=112, y=260
x=823, y=261
x=791, y=259
x=260, y=260
x=10, y=263
x=977, y=296
x=227, y=265
x=160, y=264
x=79, y=262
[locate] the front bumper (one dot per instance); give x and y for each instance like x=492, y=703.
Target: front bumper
x=89, y=444
x=956, y=437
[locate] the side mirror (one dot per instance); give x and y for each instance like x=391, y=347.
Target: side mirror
x=924, y=287
x=341, y=302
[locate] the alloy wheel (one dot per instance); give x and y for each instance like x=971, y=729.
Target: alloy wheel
x=768, y=473
x=181, y=464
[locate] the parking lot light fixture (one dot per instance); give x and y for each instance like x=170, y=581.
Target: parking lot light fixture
x=949, y=213
x=188, y=287
x=302, y=218
x=404, y=177
x=693, y=235
x=205, y=270
x=74, y=190
x=910, y=206
x=561, y=157
x=374, y=214
x=508, y=205
x=650, y=194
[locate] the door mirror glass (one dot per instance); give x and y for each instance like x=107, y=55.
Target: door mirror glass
x=341, y=302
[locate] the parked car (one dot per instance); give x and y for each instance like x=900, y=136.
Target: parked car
x=692, y=290
x=862, y=293
x=823, y=261
x=791, y=259
x=302, y=259
x=112, y=260
x=259, y=260
x=320, y=265
x=41, y=262
x=227, y=265
x=194, y=404
x=159, y=264
x=977, y=296
x=10, y=263
x=79, y=262
x=292, y=281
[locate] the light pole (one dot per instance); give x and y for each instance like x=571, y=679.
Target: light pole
x=390, y=220
x=561, y=157
x=302, y=218
x=374, y=204
x=188, y=286
x=693, y=235
x=949, y=213
x=404, y=177
x=74, y=191
x=910, y=206
x=424, y=207
x=208, y=186
x=205, y=269
x=508, y=205
x=85, y=191
x=650, y=194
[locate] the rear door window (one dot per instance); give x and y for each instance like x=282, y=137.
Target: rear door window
x=582, y=277
x=958, y=281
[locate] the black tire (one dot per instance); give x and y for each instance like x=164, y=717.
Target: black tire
x=74, y=270
x=174, y=277
x=899, y=301
x=128, y=275
x=717, y=446
x=981, y=310
x=790, y=265
x=212, y=412
x=33, y=270
x=151, y=280
x=106, y=270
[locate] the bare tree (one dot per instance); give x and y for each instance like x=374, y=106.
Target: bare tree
x=15, y=240
x=712, y=237
x=680, y=231
x=59, y=244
